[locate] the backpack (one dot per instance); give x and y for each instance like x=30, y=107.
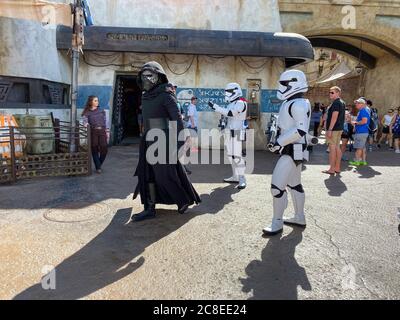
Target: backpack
x=396, y=125
x=372, y=127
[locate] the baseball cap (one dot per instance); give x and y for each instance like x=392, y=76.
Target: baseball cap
x=360, y=100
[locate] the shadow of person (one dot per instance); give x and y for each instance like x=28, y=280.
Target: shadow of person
x=116, y=251
x=367, y=172
x=216, y=200
x=336, y=187
x=277, y=275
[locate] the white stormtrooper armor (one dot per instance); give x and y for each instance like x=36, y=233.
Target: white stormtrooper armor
x=293, y=123
x=234, y=132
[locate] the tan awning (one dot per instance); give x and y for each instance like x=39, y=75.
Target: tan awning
x=46, y=12
x=341, y=71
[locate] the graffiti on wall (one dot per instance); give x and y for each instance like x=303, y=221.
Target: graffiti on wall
x=269, y=101
x=203, y=97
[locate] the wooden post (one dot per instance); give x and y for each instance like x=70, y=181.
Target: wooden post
x=12, y=155
x=77, y=135
x=57, y=135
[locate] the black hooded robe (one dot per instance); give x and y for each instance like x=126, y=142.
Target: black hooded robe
x=172, y=183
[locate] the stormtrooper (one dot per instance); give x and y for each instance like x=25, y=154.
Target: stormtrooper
x=291, y=144
x=234, y=132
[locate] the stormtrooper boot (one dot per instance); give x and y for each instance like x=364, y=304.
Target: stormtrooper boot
x=149, y=211
x=279, y=206
x=242, y=182
x=298, y=198
x=233, y=179
x=297, y=220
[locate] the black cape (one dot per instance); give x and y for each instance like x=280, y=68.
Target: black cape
x=172, y=183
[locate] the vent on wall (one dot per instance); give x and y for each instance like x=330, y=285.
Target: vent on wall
x=4, y=90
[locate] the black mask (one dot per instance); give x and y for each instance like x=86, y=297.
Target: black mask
x=149, y=79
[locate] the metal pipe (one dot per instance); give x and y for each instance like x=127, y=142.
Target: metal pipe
x=77, y=43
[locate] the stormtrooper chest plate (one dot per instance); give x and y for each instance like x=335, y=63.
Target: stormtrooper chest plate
x=285, y=120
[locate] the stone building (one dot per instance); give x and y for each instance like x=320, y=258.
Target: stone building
x=201, y=45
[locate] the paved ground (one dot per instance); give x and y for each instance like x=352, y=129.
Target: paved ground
x=349, y=250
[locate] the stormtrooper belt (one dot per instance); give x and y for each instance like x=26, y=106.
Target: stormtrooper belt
x=289, y=151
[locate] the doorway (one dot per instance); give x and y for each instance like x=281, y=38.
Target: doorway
x=125, y=119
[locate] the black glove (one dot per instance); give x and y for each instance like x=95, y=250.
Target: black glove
x=211, y=105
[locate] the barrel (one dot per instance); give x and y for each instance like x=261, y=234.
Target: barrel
x=40, y=134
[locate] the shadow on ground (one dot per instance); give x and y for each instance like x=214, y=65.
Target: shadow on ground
x=277, y=275
x=336, y=187
x=117, y=181
x=116, y=252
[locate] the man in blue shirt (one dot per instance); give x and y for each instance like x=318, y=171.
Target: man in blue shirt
x=361, y=132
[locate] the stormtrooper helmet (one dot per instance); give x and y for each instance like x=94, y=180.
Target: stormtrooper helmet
x=291, y=82
x=232, y=92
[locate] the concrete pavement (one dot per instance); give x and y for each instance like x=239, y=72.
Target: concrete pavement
x=80, y=226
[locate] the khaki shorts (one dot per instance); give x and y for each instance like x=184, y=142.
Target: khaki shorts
x=335, y=139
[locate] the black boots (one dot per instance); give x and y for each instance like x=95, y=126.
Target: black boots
x=149, y=211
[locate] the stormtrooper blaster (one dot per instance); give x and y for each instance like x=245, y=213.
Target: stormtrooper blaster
x=311, y=140
x=272, y=132
x=222, y=122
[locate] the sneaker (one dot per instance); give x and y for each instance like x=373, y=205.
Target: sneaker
x=379, y=146
x=363, y=163
x=355, y=163
x=242, y=183
x=397, y=151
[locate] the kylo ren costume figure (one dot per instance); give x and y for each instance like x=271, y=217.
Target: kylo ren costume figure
x=164, y=183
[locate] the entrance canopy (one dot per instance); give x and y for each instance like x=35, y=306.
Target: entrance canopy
x=294, y=48
x=340, y=72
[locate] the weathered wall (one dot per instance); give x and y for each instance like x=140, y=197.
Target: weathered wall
x=383, y=83
x=376, y=20
x=27, y=49
x=254, y=15
x=201, y=72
